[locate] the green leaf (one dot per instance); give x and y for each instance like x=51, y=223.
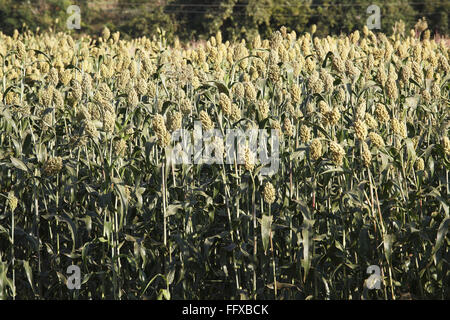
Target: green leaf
x=442, y=232
x=306, y=261
x=172, y=209
x=298, y=155
x=29, y=273
x=19, y=164
x=266, y=225
x=151, y=281
x=327, y=57
x=388, y=242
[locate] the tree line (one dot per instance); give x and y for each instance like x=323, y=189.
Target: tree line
x=199, y=19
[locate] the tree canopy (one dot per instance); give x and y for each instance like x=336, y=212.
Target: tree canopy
x=188, y=19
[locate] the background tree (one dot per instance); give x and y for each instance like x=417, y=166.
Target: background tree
x=199, y=19
x=436, y=12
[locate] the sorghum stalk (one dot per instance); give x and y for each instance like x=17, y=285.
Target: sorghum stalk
x=255, y=237
x=36, y=226
x=163, y=180
x=227, y=195
x=12, y=255
x=57, y=206
x=273, y=257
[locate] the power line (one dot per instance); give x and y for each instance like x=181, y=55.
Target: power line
x=235, y=13
x=210, y=5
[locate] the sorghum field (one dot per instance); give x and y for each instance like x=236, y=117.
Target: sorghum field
x=87, y=176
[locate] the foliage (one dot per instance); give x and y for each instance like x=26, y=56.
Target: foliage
x=200, y=19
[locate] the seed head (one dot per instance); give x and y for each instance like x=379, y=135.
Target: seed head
x=305, y=133
x=47, y=120
x=391, y=88
x=124, y=79
x=276, y=41
x=185, y=106
x=52, y=166
x=86, y=85
x=151, y=89
x=12, y=98
x=446, y=145
x=406, y=73
x=323, y=107
x=21, y=51
x=296, y=68
x=328, y=81
x=77, y=91
x=315, y=149
x=360, y=129
x=142, y=86
x=351, y=69
x=65, y=77
x=109, y=121
x=338, y=64
x=91, y=129
x=53, y=78
x=174, y=121
x=12, y=201
x=207, y=124
x=263, y=107
x=159, y=126
x=106, y=33
x=158, y=123
x=94, y=111
x=289, y=129
x=249, y=158
x=250, y=92
x=295, y=93
x=47, y=96
x=83, y=114
x=381, y=113
x=371, y=122
x=225, y=103
x=333, y=116
x=315, y=85
x=337, y=153
x=132, y=98
x=274, y=73
x=58, y=99
x=253, y=72
x=116, y=36
x=269, y=193
x=426, y=96
x=376, y=139
x=277, y=127
x=310, y=65
x=239, y=90
x=235, y=113
x=399, y=128
x=164, y=138
x=381, y=76
x=341, y=95
x=420, y=164
x=120, y=147
x=436, y=90
x=366, y=154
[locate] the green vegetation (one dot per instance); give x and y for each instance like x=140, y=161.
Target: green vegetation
x=203, y=18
